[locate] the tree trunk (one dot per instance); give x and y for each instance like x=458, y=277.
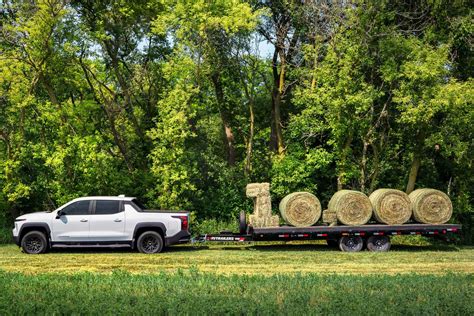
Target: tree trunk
x=376, y=167
x=276, y=137
x=227, y=129
x=124, y=86
x=248, y=158
x=415, y=166
x=342, y=162
x=416, y=162
x=363, y=167
x=110, y=116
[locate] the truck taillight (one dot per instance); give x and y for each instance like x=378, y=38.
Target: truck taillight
x=184, y=222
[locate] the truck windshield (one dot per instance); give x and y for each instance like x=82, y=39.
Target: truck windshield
x=139, y=204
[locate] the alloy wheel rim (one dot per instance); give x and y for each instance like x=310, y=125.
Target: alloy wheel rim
x=34, y=244
x=150, y=244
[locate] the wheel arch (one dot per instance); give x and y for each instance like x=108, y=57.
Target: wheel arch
x=28, y=227
x=140, y=228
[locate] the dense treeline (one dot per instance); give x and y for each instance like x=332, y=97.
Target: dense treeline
x=184, y=102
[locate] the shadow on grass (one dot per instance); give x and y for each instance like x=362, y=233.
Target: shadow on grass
x=118, y=250
x=253, y=246
x=256, y=247
x=415, y=248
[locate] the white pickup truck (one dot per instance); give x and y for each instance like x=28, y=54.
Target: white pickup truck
x=101, y=221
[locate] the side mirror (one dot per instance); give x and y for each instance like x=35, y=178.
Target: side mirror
x=59, y=214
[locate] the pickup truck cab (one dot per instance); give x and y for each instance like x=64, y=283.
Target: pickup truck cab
x=101, y=221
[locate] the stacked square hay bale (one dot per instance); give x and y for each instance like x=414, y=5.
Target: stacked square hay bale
x=329, y=217
x=300, y=209
x=262, y=210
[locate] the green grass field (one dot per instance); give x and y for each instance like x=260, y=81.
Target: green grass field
x=293, y=278
x=261, y=259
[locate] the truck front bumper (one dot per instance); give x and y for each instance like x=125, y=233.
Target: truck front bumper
x=16, y=240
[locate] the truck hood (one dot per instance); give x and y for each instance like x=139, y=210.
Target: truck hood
x=34, y=216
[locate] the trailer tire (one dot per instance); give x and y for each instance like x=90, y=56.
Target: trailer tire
x=243, y=223
x=351, y=243
x=378, y=243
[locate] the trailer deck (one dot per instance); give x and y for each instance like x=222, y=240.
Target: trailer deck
x=341, y=234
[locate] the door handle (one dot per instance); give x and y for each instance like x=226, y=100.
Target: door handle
x=83, y=220
x=117, y=220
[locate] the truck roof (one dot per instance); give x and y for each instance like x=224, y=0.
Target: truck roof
x=115, y=198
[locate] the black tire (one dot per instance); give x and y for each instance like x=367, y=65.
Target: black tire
x=34, y=243
x=333, y=243
x=351, y=243
x=243, y=223
x=379, y=243
x=150, y=242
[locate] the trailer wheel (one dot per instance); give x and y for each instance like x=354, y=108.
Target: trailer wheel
x=243, y=223
x=351, y=243
x=378, y=243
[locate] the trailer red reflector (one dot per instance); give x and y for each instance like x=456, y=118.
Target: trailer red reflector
x=455, y=230
x=444, y=231
x=305, y=235
x=241, y=239
x=284, y=236
x=378, y=234
x=418, y=233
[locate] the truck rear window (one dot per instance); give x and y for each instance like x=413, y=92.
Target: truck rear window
x=139, y=204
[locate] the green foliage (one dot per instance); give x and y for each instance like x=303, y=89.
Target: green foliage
x=211, y=226
x=190, y=291
x=171, y=101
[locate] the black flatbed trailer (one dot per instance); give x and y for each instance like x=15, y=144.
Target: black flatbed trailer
x=375, y=237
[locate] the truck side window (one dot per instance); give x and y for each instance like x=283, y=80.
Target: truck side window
x=77, y=208
x=107, y=207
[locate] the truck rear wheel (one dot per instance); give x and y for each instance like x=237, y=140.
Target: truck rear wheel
x=34, y=242
x=150, y=242
x=378, y=243
x=351, y=243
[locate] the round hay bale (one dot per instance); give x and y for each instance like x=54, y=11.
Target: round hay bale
x=392, y=207
x=431, y=206
x=351, y=207
x=300, y=209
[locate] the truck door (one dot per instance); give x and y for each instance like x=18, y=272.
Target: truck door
x=107, y=221
x=73, y=224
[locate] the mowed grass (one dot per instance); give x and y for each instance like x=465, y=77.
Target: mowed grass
x=250, y=259
x=192, y=293
x=263, y=279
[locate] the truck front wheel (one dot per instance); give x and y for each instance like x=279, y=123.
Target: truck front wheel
x=150, y=242
x=351, y=243
x=34, y=242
